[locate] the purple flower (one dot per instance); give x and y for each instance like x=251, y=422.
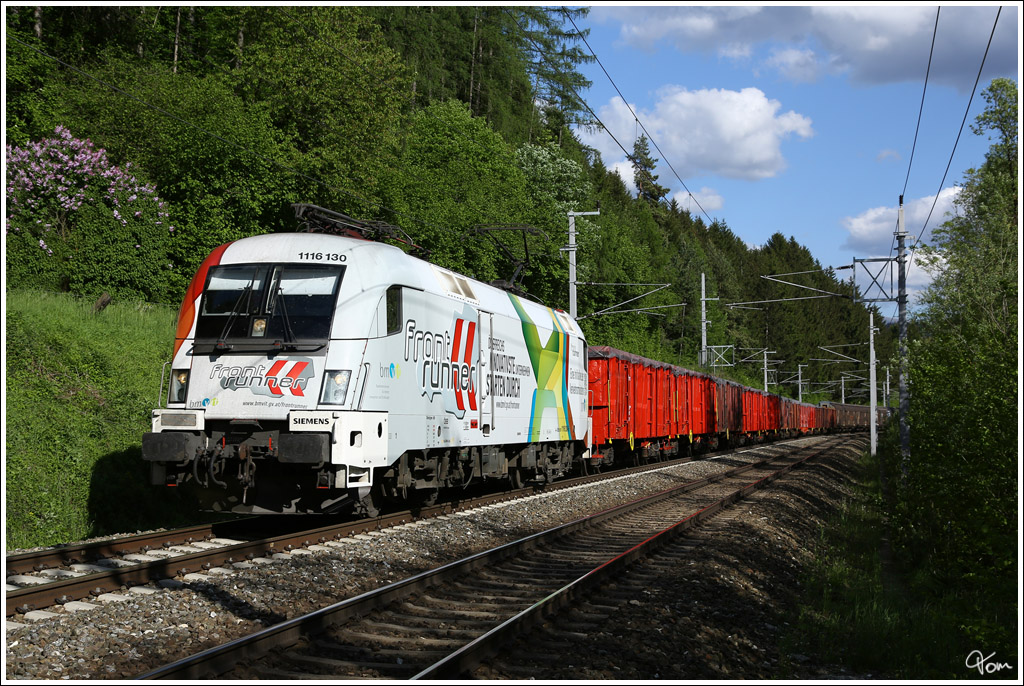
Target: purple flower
x=52, y=178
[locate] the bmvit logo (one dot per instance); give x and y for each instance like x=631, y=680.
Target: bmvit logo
x=392, y=371
x=289, y=377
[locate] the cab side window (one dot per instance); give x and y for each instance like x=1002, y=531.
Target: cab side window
x=394, y=309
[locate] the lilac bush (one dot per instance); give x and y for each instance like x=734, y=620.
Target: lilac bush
x=94, y=225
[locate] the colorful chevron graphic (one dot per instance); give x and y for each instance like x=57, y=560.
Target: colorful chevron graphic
x=550, y=363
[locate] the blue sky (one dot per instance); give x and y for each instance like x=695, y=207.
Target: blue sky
x=800, y=119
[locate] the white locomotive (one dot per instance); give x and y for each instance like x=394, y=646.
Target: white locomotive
x=313, y=373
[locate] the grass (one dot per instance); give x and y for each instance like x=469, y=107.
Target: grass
x=80, y=388
x=868, y=613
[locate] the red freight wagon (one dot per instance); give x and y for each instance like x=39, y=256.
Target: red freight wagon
x=774, y=412
x=664, y=405
x=730, y=408
x=679, y=423
x=630, y=400
x=646, y=406
x=850, y=417
x=610, y=381
x=806, y=414
x=828, y=417
x=701, y=391
x=644, y=397
x=757, y=415
x=787, y=415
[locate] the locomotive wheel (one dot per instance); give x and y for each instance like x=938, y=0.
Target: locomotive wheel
x=371, y=504
x=515, y=477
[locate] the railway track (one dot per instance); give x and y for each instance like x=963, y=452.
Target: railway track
x=70, y=575
x=441, y=623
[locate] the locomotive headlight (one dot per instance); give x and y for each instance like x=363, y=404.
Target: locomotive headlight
x=259, y=327
x=336, y=387
x=179, y=383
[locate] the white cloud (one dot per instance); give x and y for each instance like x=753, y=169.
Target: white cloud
x=736, y=51
x=625, y=171
x=872, y=43
x=735, y=134
x=707, y=198
x=887, y=153
x=796, y=65
x=871, y=234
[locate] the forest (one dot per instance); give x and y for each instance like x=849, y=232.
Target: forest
x=139, y=138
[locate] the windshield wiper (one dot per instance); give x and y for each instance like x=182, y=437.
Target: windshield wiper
x=289, y=333
x=247, y=294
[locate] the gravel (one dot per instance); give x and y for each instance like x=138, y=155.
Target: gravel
x=721, y=612
x=125, y=637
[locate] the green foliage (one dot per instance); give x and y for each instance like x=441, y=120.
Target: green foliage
x=80, y=387
x=643, y=172
x=860, y=610
x=456, y=174
x=76, y=222
x=954, y=510
x=29, y=79
x=498, y=60
x=216, y=159
x=334, y=94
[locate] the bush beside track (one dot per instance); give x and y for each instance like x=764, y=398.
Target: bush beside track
x=80, y=388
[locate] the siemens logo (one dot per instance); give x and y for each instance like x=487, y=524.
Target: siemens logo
x=318, y=421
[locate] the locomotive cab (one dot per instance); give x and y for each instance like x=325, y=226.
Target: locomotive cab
x=266, y=366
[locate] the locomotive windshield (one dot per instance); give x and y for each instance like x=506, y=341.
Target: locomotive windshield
x=260, y=306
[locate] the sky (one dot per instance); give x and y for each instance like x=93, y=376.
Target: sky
x=801, y=119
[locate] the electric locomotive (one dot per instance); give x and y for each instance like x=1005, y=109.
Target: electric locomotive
x=318, y=373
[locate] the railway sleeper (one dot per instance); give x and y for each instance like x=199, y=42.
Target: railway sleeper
x=347, y=665
x=444, y=609
x=457, y=601
x=365, y=655
x=428, y=631
x=406, y=642
x=430, y=619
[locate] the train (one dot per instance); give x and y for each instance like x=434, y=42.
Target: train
x=315, y=373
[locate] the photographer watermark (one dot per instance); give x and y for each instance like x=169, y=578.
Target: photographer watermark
x=981, y=662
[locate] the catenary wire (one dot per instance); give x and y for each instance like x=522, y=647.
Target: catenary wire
x=920, y=110
x=967, y=110
x=589, y=108
x=637, y=119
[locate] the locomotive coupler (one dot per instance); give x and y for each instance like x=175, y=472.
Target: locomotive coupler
x=246, y=469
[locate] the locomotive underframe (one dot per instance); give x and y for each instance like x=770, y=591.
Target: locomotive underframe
x=255, y=467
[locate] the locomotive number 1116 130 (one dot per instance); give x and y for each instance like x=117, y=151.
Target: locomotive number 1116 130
x=323, y=256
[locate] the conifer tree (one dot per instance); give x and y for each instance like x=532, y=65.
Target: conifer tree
x=646, y=181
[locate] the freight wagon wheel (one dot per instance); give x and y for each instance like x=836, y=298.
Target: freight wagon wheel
x=427, y=497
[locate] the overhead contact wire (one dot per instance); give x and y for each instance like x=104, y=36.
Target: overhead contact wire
x=637, y=119
x=977, y=80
